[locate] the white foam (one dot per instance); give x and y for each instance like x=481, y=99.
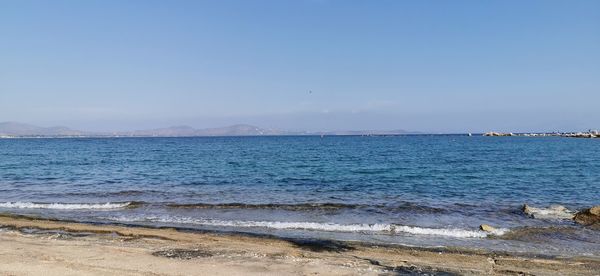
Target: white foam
x=317, y=226
x=499, y=231
x=64, y=206
x=553, y=212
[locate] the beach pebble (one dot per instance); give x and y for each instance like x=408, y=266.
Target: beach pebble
x=486, y=228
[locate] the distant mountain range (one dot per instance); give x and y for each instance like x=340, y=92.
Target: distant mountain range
x=14, y=129
x=178, y=131
x=19, y=129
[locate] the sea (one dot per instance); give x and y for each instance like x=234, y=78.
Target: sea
x=411, y=190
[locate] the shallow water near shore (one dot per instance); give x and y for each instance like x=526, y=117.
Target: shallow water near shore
x=410, y=190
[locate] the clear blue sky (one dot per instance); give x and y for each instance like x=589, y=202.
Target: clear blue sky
x=436, y=66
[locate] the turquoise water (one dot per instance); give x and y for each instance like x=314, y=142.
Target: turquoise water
x=415, y=190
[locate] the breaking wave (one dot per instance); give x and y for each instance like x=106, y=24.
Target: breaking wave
x=326, y=206
x=552, y=212
x=316, y=226
x=68, y=206
x=291, y=207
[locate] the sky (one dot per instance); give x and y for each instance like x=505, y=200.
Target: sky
x=432, y=66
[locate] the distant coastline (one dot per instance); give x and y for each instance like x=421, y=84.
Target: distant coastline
x=20, y=130
x=15, y=130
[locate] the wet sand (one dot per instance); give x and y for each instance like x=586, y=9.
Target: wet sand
x=30, y=246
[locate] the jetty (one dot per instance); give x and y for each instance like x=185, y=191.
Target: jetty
x=588, y=134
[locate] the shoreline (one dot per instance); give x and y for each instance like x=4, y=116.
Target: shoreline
x=31, y=244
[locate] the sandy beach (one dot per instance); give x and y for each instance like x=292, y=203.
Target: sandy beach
x=30, y=246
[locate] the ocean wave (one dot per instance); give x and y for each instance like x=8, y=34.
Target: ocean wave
x=113, y=193
x=316, y=226
x=290, y=207
x=326, y=206
x=68, y=206
x=107, y=194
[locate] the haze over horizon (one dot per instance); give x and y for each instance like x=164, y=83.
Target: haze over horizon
x=317, y=65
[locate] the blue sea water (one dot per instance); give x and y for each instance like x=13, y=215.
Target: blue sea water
x=414, y=190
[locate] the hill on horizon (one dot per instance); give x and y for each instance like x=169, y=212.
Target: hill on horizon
x=20, y=129
x=16, y=129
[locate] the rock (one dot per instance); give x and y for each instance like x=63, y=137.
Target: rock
x=486, y=228
x=595, y=210
x=182, y=254
x=589, y=217
x=493, y=133
x=527, y=210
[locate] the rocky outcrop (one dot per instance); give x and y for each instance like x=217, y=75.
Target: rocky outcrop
x=492, y=133
x=526, y=209
x=591, y=134
x=589, y=217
